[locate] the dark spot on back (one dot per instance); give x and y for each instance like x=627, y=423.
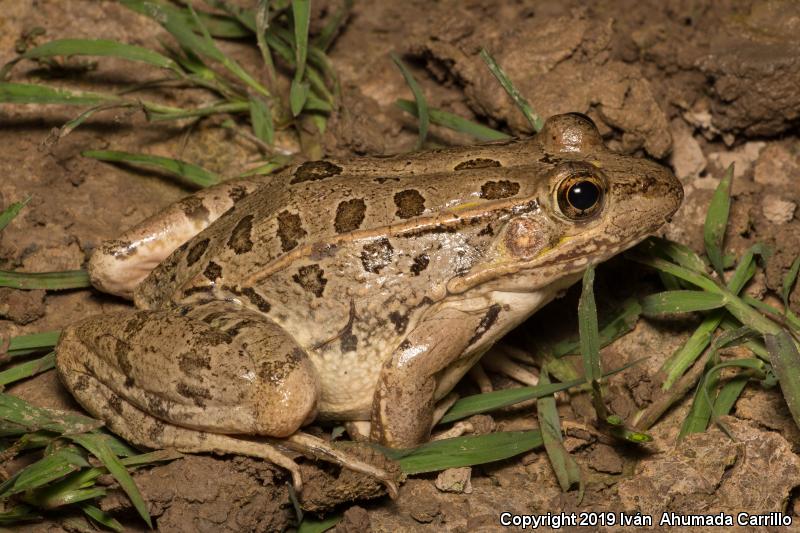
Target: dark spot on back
x=239, y=240
x=420, y=264
x=81, y=383
x=495, y=190
x=315, y=170
x=212, y=271
x=121, y=349
x=256, y=299
x=376, y=255
x=349, y=215
x=410, y=203
x=486, y=323
x=194, y=209
x=477, y=163
x=237, y=193
x=156, y=430
x=198, y=395
x=192, y=363
x=156, y=405
x=290, y=230
x=311, y=278
x=400, y=321
x=196, y=252
x=348, y=342
x=115, y=402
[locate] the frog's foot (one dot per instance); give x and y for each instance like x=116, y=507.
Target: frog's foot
x=324, y=451
x=119, y=265
x=501, y=359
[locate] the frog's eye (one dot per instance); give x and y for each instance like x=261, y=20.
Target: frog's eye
x=580, y=197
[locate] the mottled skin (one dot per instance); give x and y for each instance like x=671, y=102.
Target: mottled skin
x=346, y=290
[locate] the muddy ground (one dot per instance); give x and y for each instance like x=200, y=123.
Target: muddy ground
x=696, y=84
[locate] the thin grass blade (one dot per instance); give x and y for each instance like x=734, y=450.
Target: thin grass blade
x=18, y=417
x=301, y=15
x=27, y=344
x=728, y=394
x=52, y=281
x=567, y=470
x=588, y=328
x=788, y=280
x=785, y=359
x=314, y=525
x=533, y=118
x=220, y=26
x=490, y=401
x=717, y=221
x=27, y=369
x=10, y=212
x=681, y=302
x=188, y=172
x=454, y=122
x=261, y=119
x=464, y=451
x=621, y=323
x=101, y=517
x=419, y=97
x=100, y=47
x=26, y=93
x=47, y=469
x=100, y=449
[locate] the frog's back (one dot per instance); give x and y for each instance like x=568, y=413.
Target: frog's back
x=308, y=208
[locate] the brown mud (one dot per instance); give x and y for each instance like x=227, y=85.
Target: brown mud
x=697, y=84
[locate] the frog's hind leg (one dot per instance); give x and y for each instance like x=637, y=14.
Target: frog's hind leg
x=201, y=379
x=119, y=265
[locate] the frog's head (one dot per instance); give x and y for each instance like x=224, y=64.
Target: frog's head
x=589, y=204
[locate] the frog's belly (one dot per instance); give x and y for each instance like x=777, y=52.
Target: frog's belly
x=347, y=385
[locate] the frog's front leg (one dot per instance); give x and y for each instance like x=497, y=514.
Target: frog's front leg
x=119, y=265
x=432, y=358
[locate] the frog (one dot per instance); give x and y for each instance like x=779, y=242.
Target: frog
x=347, y=290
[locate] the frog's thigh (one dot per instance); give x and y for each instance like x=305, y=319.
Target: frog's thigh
x=218, y=368
x=404, y=401
x=119, y=265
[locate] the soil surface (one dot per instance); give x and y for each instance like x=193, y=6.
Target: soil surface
x=697, y=84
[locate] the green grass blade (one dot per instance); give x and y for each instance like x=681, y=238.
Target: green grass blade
x=52, y=281
x=785, y=361
x=261, y=29
x=99, y=448
x=261, y=119
x=788, y=280
x=588, y=329
x=419, y=97
x=695, y=278
x=454, y=122
x=328, y=33
x=220, y=26
x=314, y=525
x=101, y=517
x=681, y=302
x=687, y=354
x=27, y=369
x=567, y=470
x=100, y=47
x=188, y=172
x=675, y=252
x=464, y=451
x=58, y=464
x=728, y=395
x=697, y=419
x=26, y=93
x=18, y=417
x=717, y=221
x=490, y=401
x=533, y=118
x=27, y=344
x=301, y=15
x=16, y=513
x=621, y=323
x=10, y=212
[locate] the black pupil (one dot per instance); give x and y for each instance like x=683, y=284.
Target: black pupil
x=583, y=195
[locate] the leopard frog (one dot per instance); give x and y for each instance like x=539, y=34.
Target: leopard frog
x=347, y=290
